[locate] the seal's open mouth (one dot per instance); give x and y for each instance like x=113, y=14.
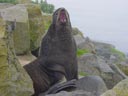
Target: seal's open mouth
x=62, y=16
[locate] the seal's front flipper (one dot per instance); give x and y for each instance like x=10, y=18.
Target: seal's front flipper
x=66, y=86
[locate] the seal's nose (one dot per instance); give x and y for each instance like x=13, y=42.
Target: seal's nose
x=62, y=10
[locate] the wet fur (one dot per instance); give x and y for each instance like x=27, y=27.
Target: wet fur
x=57, y=57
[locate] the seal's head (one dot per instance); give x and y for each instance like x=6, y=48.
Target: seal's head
x=61, y=17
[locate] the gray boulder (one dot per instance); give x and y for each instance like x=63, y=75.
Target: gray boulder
x=103, y=49
x=109, y=52
x=94, y=65
x=123, y=67
x=88, y=63
x=121, y=89
x=126, y=61
x=93, y=84
x=79, y=39
x=86, y=86
x=5, y=5
x=29, y=26
x=76, y=31
x=84, y=43
x=88, y=44
x=74, y=93
x=21, y=34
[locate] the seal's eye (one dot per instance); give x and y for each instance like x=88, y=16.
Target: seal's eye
x=56, y=13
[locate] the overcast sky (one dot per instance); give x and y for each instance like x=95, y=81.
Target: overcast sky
x=102, y=20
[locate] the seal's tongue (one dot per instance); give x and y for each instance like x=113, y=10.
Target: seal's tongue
x=62, y=17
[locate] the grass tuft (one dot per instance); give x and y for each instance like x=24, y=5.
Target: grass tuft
x=81, y=52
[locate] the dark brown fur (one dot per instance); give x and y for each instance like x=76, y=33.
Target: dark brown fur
x=57, y=56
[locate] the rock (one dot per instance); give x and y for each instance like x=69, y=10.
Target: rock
x=87, y=86
x=78, y=35
x=124, y=67
x=29, y=26
x=79, y=39
x=91, y=64
x=121, y=89
x=114, y=78
x=88, y=45
x=14, y=81
x=21, y=33
x=88, y=63
x=126, y=61
x=109, y=51
x=47, y=20
x=113, y=59
x=36, y=23
x=76, y=31
x=103, y=49
x=74, y=93
x=84, y=43
x=5, y=5
x=26, y=59
x=118, y=71
x=93, y=84
x=17, y=12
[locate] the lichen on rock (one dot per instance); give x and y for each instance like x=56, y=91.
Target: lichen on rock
x=29, y=26
x=21, y=33
x=14, y=81
x=121, y=89
x=36, y=24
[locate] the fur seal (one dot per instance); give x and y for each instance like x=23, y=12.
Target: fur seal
x=57, y=57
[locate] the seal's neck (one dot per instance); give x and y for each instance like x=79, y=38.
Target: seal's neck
x=64, y=32
x=61, y=36
x=60, y=32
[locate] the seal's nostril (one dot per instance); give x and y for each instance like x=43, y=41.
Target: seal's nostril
x=63, y=10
